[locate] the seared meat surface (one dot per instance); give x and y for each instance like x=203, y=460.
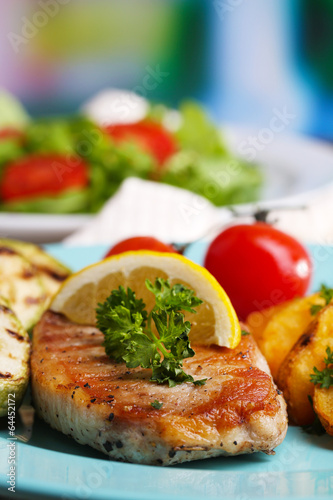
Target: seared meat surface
x=81, y=392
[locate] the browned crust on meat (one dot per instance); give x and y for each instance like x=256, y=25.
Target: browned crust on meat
x=108, y=406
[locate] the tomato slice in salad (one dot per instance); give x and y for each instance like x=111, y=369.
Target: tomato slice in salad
x=11, y=133
x=149, y=135
x=42, y=175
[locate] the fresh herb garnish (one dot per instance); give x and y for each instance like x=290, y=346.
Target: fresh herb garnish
x=326, y=294
x=316, y=428
x=315, y=308
x=324, y=377
x=200, y=382
x=244, y=332
x=129, y=335
x=156, y=404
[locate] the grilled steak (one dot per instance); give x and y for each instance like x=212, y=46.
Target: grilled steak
x=81, y=392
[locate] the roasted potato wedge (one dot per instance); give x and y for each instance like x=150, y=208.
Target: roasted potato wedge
x=258, y=320
x=323, y=406
x=294, y=374
x=281, y=327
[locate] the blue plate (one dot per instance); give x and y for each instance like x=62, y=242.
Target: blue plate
x=52, y=465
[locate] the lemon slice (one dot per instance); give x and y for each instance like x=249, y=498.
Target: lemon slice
x=214, y=323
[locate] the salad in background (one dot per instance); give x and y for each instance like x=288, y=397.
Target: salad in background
x=75, y=164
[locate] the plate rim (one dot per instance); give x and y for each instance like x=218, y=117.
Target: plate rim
x=69, y=492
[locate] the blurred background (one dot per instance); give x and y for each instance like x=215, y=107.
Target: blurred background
x=242, y=59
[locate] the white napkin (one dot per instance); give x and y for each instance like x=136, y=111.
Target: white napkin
x=150, y=209
x=145, y=208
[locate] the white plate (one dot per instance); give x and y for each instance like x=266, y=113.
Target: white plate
x=295, y=168
x=40, y=228
x=52, y=465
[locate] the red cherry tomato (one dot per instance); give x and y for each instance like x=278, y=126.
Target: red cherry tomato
x=150, y=136
x=42, y=175
x=11, y=133
x=258, y=266
x=140, y=243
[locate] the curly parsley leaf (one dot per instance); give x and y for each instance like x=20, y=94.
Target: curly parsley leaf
x=200, y=382
x=324, y=377
x=122, y=318
x=244, y=333
x=156, y=404
x=315, y=308
x=129, y=337
x=176, y=298
x=170, y=371
x=326, y=293
x=316, y=428
x=127, y=299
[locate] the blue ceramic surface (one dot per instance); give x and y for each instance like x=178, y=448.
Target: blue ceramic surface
x=52, y=465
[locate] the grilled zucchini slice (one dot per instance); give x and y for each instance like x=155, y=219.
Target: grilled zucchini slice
x=21, y=285
x=14, y=358
x=52, y=272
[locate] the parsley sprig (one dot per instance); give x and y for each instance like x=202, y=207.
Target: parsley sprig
x=326, y=293
x=129, y=336
x=324, y=377
x=156, y=404
x=316, y=428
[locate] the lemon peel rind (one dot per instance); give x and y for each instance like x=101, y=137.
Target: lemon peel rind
x=183, y=269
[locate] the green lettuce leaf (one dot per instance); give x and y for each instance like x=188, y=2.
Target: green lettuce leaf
x=223, y=181
x=69, y=202
x=10, y=150
x=198, y=133
x=108, y=164
x=50, y=136
x=111, y=164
